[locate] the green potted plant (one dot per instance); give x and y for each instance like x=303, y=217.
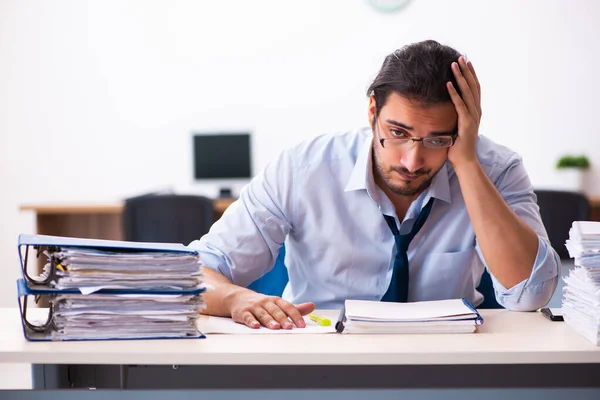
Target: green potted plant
x=571, y=169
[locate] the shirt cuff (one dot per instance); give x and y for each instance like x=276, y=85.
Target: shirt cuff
x=211, y=260
x=535, y=291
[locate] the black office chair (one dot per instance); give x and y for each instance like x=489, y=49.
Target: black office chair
x=558, y=210
x=167, y=218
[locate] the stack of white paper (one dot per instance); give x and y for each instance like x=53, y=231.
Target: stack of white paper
x=91, y=269
x=581, y=299
x=441, y=316
x=151, y=294
x=106, y=316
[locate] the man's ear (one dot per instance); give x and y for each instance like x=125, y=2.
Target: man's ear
x=372, y=111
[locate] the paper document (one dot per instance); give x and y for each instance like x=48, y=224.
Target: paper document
x=441, y=316
x=129, y=316
x=408, y=312
x=581, y=294
x=208, y=325
x=91, y=270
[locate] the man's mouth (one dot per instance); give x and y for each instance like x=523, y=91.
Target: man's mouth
x=408, y=177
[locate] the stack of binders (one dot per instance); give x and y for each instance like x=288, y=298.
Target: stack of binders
x=581, y=299
x=105, y=289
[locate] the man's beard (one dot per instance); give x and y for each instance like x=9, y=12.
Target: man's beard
x=410, y=188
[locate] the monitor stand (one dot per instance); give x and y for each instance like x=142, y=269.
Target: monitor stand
x=225, y=192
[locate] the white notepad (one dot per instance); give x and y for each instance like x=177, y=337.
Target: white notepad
x=440, y=316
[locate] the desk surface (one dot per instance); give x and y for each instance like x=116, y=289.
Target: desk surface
x=505, y=338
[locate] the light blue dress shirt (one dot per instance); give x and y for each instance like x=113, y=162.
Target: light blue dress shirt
x=321, y=199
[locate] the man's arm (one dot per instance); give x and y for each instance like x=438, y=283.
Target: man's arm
x=508, y=244
x=519, y=258
x=242, y=246
x=225, y=299
x=511, y=238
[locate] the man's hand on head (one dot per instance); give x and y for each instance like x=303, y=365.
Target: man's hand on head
x=468, y=108
x=254, y=309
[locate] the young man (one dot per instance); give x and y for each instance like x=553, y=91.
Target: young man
x=412, y=208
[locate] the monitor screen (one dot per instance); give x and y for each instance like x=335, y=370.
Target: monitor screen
x=220, y=156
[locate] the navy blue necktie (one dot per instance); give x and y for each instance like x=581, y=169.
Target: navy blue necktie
x=398, y=290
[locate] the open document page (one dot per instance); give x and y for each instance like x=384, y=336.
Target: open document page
x=209, y=325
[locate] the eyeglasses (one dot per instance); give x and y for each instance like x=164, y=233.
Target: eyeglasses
x=435, y=142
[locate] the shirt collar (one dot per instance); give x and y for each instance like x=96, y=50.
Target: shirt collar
x=440, y=184
x=362, y=178
x=362, y=173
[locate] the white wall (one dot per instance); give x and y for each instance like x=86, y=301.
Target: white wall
x=98, y=98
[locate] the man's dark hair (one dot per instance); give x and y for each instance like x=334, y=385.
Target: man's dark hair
x=418, y=71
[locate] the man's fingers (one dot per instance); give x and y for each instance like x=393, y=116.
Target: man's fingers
x=305, y=308
x=278, y=315
x=265, y=318
x=273, y=313
x=249, y=320
x=471, y=80
x=292, y=312
x=467, y=94
x=472, y=69
x=456, y=99
x=478, y=98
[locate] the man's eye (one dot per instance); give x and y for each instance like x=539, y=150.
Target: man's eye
x=440, y=142
x=398, y=133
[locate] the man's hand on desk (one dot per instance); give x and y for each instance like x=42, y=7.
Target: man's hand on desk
x=253, y=309
x=247, y=307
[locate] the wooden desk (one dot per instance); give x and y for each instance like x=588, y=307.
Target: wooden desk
x=99, y=221
x=511, y=349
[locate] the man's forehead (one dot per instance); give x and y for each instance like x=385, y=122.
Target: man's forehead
x=396, y=100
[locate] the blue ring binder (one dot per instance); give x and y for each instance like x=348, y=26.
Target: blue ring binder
x=151, y=299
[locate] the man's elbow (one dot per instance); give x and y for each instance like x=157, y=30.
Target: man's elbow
x=532, y=298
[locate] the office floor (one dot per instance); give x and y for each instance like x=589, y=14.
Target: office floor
x=18, y=376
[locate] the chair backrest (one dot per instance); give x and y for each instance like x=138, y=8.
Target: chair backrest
x=167, y=218
x=558, y=210
x=273, y=282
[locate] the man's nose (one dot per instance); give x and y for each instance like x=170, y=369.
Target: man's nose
x=413, y=156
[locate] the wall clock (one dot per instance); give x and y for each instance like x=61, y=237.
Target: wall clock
x=388, y=6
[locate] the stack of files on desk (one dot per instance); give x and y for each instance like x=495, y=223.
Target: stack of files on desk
x=103, y=289
x=440, y=316
x=91, y=269
x=581, y=297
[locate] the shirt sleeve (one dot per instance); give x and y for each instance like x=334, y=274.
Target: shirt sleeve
x=244, y=243
x=535, y=291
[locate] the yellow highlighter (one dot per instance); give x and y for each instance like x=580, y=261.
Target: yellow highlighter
x=319, y=320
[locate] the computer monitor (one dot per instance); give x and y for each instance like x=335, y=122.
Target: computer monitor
x=222, y=156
